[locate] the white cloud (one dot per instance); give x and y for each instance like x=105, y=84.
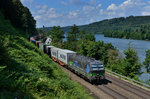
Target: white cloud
x=45, y=7
x=128, y=7
x=41, y=11
x=63, y=3
x=37, y=17
x=112, y=7
x=51, y=13
x=91, y=20
x=87, y=9
x=99, y=5
x=145, y=13
x=128, y=4
x=51, y=10
x=146, y=10
x=73, y=14
x=101, y=12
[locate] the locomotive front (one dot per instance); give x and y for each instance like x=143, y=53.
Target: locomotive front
x=97, y=71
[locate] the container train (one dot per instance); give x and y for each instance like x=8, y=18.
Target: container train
x=88, y=68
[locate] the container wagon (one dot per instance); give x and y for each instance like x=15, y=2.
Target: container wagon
x=88, y=68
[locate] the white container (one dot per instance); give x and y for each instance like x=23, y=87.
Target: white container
x=63, y=55
x=48, y=49
x=54, y=52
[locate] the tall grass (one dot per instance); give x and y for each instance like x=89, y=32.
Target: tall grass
x=28, y=73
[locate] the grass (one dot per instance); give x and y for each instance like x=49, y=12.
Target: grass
x=28, y=73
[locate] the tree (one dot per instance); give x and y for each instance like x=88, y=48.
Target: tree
x=57, y=36
x=92, y=49
x=147, y=61
x=19, y=16
x=73, y=34
x=82, y=34
x=132, y=66
x=72, y=38
x=89, y=37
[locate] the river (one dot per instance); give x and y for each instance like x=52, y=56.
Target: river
x=122, y=44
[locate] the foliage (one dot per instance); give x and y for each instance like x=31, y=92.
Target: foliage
x=127, y=66
x=141, y=33
x=147, y=61
x=89, y=37
x=28, y=73
x=57, y=36
x=73, y=34
x=132, y=66
x=72, y=37
x=19, y=15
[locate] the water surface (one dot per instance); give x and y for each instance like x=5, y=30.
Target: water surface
x=122, y=44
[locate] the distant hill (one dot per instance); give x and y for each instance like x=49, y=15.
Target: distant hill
x=117, y=24
x=113, y=24
x=66, y=29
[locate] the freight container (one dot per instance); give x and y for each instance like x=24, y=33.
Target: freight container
x=63, y=56
x=54, y=53
x=48, y=50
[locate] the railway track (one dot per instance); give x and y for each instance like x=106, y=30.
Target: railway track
x=114, y=88
x=140, y=92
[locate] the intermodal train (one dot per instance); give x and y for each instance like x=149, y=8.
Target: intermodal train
x=86, y=67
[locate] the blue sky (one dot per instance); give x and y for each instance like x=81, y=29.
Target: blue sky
x=80, y=12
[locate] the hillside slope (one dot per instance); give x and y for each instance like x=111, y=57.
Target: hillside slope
x=27, y=73
x=117, y=24
x=121, y=23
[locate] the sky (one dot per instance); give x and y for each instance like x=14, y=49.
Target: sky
x=80, y=12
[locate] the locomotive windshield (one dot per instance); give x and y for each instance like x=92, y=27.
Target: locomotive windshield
x=100, y=65
x=97, y=66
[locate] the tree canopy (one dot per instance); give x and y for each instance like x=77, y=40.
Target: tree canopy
x=19, y=16
x=147, y=61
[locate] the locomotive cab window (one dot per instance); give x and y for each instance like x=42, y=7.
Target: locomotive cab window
x=97, y=66
x=100, y=65
x=94, y=67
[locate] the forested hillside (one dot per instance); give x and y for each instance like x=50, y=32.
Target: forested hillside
x=19, y=16
x=25, y=71
x=141, y=33
x=122, y=23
